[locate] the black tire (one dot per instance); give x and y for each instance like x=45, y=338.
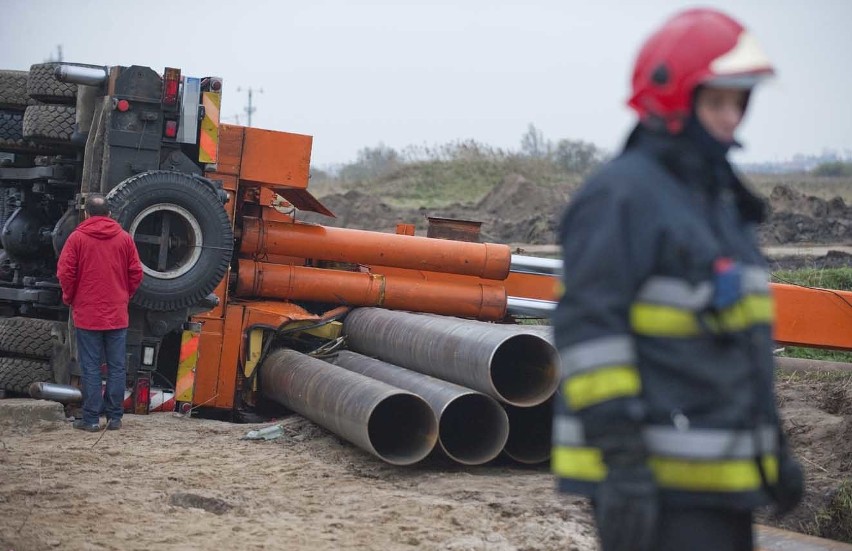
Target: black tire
x=196, y=216
x=12, y=134
x=49, y=123
x=43, y=86
x=17, y=374
x=13, y=90
x=29, y=337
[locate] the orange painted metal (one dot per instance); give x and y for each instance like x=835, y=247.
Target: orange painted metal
x=232, y=337
x=230, y=149
x=405, y=229
x=480, y=301
x=818, y=318
x=272, y=314
x=276, y=158
x=486, y=260
x=210, y=356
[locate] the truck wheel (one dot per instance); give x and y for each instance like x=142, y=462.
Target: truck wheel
x=13, y=90
x=17, y=374
x=27, y=337
x=12, y=134
x=43, y=86
x=182, y=232
x=49, y=123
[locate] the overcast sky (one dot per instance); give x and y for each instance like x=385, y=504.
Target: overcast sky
x=354, y=73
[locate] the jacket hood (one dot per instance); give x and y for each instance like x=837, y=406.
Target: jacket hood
x=100, y=227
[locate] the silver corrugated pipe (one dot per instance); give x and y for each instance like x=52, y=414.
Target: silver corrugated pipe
x=472, y=427
x=396, y=426
x=65, y=394
x=519, y=369
x=529, y=433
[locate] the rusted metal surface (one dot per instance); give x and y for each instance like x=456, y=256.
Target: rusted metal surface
x=472, y=427
x=518, y=369
x=395, y=425
x=486, y=260
x=529, y=433
x=799, y=364
x=453, y=228
x=477, y=300
x=776, y=539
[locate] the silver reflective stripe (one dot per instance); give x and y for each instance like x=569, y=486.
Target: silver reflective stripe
x=697, y=444
x=568, y=431
x=612, y=350
x=675, y=292
x=711, y=443
x=755, y=281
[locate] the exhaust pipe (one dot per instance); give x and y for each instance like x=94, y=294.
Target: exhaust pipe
x=529, y=433
x=65, y=394
x=472, y=427
x=74, y=74
x=518, y=369
x=395, y=426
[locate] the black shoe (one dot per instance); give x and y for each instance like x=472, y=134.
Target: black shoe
x=114, y=424
x=88, y=427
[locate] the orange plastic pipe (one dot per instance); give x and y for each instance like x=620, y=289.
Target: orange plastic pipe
x=479, y=300
x=485, y=260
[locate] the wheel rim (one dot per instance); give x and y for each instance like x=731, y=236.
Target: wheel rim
x=169, y=240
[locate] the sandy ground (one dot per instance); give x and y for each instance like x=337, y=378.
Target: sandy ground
x=189, y=483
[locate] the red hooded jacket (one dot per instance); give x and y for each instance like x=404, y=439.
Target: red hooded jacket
x=99, y=270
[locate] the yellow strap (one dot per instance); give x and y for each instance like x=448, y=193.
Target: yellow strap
x=736, y=475
x=606, y=383
x=655, y=320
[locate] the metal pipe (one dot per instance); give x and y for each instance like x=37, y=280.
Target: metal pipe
x=74, y=74
x=65, y=394
x=519, y=369
x=472, y=427
x=529, y=306
x=485, y=260
x=529, y=433
x=394, y=425
x=475, y=300
x=535, y=264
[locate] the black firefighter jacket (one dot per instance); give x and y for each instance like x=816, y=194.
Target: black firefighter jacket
x=664, y=329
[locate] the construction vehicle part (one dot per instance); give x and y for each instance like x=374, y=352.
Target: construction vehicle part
x=66, y=394
x=472, y=427
x=43, y=86
x=182, y=232
x=530, y=307
x=49, y=123
x=485, y=260
x=529, y=433
x=791, y=365
x=17, y=374
x=394, y=425
x=12, y=134
x=13, y=90
x=518, y=369
x=31, y=337
x=535, y=265
x=812, y=317
x=261, y=279
x=21, y=235
x=81, y=74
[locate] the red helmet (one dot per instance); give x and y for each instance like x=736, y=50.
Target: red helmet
x=697, y=46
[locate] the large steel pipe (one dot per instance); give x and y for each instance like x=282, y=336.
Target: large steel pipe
x=65, y=394
x=472, y=427
x=394, y=425
x=519, y=369
x=485, y=260
x=529, y=433
x=475, y=300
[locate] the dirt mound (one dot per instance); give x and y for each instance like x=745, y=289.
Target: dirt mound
x=799, y=218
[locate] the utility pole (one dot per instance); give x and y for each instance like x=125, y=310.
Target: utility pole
x=249, y=109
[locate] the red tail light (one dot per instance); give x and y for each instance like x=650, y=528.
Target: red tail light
x=142, y=395
x=170, y=130
x=171, y=85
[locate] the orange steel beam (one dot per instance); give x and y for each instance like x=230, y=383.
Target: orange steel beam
x=819, y=318
x=478, y=300
x=486, y=260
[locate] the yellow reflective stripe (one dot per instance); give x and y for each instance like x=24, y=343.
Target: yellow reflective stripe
x=737, y=475
x=663, y=321
x=578, y=463
x=655, y=320
x=600, y=385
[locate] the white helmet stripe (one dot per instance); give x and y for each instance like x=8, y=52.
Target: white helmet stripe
x=745, y=57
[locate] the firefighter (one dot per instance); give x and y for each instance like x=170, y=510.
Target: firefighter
x=667, y=417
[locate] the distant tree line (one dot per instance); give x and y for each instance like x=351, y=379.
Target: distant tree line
x=833, y=168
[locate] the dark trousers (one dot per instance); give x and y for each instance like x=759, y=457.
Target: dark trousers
x=703, y=529
x=93, y=347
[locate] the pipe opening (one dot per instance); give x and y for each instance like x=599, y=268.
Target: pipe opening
x=402, y=429
x=524, y=370
x=473, y=429
x=529, y=433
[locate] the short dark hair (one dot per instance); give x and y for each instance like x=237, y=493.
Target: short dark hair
x=97, y=205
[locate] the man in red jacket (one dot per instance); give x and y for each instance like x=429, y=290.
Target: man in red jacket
x=99, y=270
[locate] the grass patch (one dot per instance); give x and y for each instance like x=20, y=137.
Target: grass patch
x=834, y=520
x=816, y=354
x=826, y=278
